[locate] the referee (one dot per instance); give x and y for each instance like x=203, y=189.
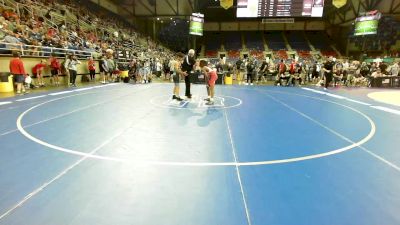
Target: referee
x=328, y=69
x=187, y=66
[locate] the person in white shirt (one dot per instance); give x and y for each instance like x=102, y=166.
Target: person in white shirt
x=158, y=68
x=71, y=66
x=394, y=69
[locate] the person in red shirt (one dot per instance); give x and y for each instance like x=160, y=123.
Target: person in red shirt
x=55, y=68
x=211, y=77
x=282, y=74
x=37, y=71
x=92, y=68
x=51, y=32
x=292, y=68
x=18, y=71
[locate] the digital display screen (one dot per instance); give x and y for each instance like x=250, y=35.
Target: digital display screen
x=279, y=8
x=196, y=24
x=366, y=27
x=368, y=24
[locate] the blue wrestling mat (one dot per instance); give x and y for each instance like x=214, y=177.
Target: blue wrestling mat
x=127, y=154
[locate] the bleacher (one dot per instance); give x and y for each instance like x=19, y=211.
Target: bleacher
x=304, y=54
x=213, y=41
x=254, y=41
x=233, y=41
x=319, y=40
x=233, y=54
x=297, y=40
x=281, y=54
x=275, y=40
x=257, y=54
x=211, y=54
x=70, y=29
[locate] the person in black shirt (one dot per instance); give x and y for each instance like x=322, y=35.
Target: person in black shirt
x=251, y=70
x=328, y=69
x=263, y=71
x=187, y=66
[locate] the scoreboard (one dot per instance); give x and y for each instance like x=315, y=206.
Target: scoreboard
x=280, y=8
x=196, y=24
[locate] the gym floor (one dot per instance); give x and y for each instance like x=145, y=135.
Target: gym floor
x=126, y=154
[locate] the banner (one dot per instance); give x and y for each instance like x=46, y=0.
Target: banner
x=339, y=3
x=226, y=4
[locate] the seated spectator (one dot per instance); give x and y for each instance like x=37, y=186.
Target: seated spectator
x=282, y=74
x=338, y=75
x=297, y=75
x=14, y=42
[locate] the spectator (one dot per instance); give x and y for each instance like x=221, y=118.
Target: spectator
x=37, y=71
x=251, y=71
x=92, y=68
x=55, y=67
x=394, y=69
x=282, y=74
x=18, y=71
x=103, y=69
x=71, y=65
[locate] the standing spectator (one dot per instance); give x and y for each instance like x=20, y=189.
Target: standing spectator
x=251, y=70
x=92, y=68
x=71, y=65
x=166, y=69
x=143, y=72
x=394, y=69
x=238, y=65
x=139, y=69
x=55, y=68
x=103, y=69
x=37, y=71
x=18, y=71
x=132, y=69
x=263, y=71
x=146, y=72
x=158, y=67
x=111, y=65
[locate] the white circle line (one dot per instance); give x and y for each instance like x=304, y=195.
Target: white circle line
x=197, y=108
x=202, y=164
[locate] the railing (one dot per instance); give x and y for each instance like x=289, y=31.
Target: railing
x=43, y=51
x=6, y=49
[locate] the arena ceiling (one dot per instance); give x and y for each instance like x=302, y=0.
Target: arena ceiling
x=158, y=8
x=213, y=12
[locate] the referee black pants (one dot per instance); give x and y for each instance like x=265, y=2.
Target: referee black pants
x=187, y=85
x=328, y=79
